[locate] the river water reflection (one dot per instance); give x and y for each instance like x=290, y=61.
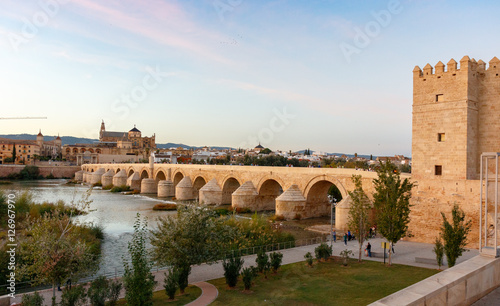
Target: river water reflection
x=113, y=211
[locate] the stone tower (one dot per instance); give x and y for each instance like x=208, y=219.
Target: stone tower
x=39, y=139
x=455, y=118
x=101, y=132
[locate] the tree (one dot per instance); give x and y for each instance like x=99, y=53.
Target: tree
x=439, y=251
x=171, y=283
x=138, y=280
x=455, y=235
x=392, y=203
x=53, y=251
x=193, y=236
x=265, y=151
x=359, y=212
x=14, y=154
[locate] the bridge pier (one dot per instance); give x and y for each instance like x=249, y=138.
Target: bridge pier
x=184, y=190
x=134, y=181
x=79, y=176
x=148, y=185
x=96, y=176
x=166, y=189
x=107, y=178
x=245, y=196
x=120, y=179
x=211, y=193
x=85, y=176
x=291, y=204
x=342, y=214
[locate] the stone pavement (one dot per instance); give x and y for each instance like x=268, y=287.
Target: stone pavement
x=405, y=253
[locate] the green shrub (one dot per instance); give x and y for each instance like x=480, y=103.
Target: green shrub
x=222, y=211
x=98, y=291
x=34, y=299
x=115, y=287
x=120, y=188
x=323, y=251
x=345, y=256
x=232, y=268
x=276, y=258
x=50, y=176
x=247, y=276
x=74, y=296
x=30, y=173
x=262, y=261
x=309, y=259
x=171, y=281
x=107, y=187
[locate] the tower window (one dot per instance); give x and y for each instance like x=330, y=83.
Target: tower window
x=438, y=170
x=441, y=137
x=439, y=98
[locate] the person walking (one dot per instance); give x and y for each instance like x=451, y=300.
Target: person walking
x=345, y=238
x=369, y=249
x=334, y=234
x=349, y=236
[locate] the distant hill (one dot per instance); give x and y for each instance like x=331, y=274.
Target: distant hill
x=176, y=145
x=66, y=140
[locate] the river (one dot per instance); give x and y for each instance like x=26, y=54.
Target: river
x=115, y=212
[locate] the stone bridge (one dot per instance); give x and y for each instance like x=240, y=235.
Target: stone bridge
x=292, y=192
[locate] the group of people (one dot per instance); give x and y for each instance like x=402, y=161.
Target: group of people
x=347, y=236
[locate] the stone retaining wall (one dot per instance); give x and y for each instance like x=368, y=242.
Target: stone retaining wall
x=462, y=284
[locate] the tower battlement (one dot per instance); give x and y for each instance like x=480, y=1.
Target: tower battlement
x=466, y=65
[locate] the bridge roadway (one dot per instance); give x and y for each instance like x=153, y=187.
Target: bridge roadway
x=291, y=192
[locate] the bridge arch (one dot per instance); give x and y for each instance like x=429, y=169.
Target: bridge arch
x=198, y=183
x=118, y=170
x=160, y=176
x=229, y=185
x=177, y=176
x=269, y=189
x=144, y=173
x=130, y=171
x=316, y=194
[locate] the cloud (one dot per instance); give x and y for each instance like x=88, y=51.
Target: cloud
x=164, y=23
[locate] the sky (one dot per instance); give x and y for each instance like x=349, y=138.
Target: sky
x=332, y=76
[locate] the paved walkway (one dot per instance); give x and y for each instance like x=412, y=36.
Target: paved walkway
x=405, y=253
x=208, y=294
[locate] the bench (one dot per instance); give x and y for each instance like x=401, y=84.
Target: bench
x=428, y=261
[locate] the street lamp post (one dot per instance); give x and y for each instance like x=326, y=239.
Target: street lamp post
x=333, y=202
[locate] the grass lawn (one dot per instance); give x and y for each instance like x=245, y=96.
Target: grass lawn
x=326, y=283
x=160, y=298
